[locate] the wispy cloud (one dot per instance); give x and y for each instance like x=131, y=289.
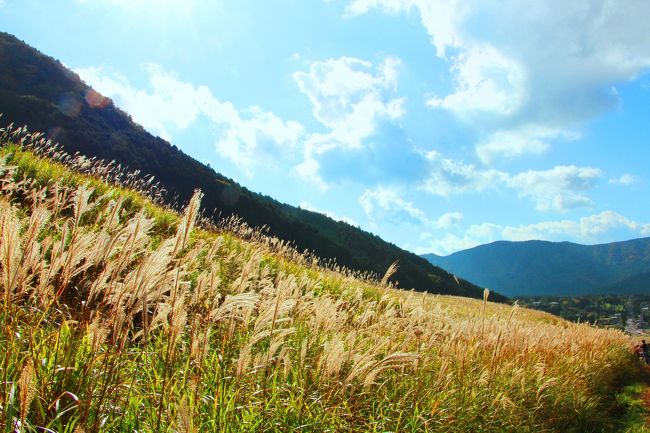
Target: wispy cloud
x=625, y=179
x=525, y=138
x=348, y=94
x=448, y=220
x=387, y=204
x=440, y=17
x=560, y=188
x=448, y=177
x=583, y=229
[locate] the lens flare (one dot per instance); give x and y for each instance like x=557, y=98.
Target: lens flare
x=95, y=99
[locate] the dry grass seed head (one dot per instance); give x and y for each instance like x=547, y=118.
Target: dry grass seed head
x=206, y=291
x=243, y=361
x=249, y=274
x=392, y=361
x=273, y=312
x=10, y=249
x=27, y=387
x=200, y=341
x=333, y=357
x=184, y=418
x=81, y=202
x=96, y=333
x=389, y=273
x=111, y=220
x=238, y=305
x=278, y=341
x=187, y=222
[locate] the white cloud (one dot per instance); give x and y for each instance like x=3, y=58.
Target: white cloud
x=310, y=207
x=486, y=81
x=523, y=139
x=625, y=179
x=257, y=140
x=247, y=137
x=584, y=230
x=387, y=204
x=476, y=234
x=560, y=188
x=530, y=73
x=448, y=220
x=441, y=18
x=349, y=97
x=309, y=170
x=447, y=176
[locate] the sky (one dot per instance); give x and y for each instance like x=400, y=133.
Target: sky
x=438, y=125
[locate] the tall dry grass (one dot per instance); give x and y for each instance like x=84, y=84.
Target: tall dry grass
x=118, y=315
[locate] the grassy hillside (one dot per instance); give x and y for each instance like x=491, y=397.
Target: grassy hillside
x=119, y=315
x=540, y=268
x=40, y=92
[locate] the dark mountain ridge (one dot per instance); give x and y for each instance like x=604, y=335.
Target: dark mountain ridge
x=554, y=268
x=40, y=92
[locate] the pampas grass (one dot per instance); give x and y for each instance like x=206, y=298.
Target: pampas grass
x=122, y=315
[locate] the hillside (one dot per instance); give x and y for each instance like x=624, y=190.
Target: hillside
x=549, y=268
x=118, y=315
x=40, y=92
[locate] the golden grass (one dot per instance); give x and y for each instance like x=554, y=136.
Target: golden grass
x=119, y=315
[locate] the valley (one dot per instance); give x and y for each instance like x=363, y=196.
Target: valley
x=630, y=313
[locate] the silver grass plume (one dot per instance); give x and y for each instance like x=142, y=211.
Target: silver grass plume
x=389, y=273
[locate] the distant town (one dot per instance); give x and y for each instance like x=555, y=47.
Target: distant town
x=630, y=313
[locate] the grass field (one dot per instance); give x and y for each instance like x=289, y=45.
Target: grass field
x=118, y=314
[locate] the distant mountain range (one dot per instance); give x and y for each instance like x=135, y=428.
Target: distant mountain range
x=38, y=91
x=554, y=268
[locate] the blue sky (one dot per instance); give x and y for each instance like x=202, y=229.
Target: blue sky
x=436, y=124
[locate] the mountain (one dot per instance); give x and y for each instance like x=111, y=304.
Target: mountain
x=554, y=268
x=40, y=92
